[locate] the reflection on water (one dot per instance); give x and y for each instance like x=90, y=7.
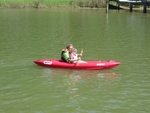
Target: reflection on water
x=75, y=75
x=77, y=84
x=74, y=78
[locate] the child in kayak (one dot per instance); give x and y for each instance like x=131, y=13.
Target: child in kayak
x=75, y=57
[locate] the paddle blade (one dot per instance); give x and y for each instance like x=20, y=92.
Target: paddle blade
x=81, y=51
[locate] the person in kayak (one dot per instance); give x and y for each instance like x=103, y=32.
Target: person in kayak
x=65, y=54
x=75, y=57
x=70, y=55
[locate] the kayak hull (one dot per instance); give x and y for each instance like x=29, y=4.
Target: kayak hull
x=88, y=65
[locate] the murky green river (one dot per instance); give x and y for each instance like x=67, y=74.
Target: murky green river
x=30, y=34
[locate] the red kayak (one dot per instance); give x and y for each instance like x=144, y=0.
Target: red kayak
x=88, y=65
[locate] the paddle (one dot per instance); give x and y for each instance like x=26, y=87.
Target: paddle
x=79, y=58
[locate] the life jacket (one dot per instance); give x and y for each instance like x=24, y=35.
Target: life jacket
x=62, y=56
x=74, y=56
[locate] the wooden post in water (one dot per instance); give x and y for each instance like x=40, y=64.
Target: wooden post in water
x=107, y=6
x=131, y=6
x=118, y=6
x=145, y=6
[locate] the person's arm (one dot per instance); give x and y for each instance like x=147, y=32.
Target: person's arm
x=80, y=54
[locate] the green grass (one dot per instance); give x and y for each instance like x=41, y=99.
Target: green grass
x=48, y=3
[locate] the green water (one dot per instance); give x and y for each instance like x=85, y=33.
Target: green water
x=30, y=34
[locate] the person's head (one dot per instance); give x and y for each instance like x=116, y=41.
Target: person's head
x=74, y=50
x=69, y=47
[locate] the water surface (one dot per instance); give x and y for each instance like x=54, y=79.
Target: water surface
x=30, y=34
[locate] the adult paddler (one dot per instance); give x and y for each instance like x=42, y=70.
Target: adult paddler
x=65, y=54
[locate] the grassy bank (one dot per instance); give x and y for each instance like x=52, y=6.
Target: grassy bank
x=51, y=3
